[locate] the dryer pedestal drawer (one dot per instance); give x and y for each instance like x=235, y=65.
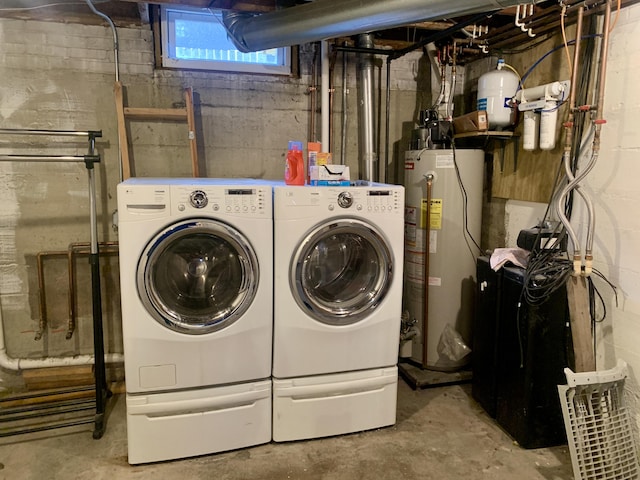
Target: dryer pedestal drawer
x=326, y=405
x=165, y=426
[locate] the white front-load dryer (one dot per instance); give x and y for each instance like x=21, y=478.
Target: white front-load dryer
x=338, y=264
x=197, y=293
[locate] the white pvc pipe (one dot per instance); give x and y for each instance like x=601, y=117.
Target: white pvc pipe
x=17, y=364
x=324, y=97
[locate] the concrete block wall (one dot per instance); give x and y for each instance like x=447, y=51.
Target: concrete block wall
x=61, y=76
x=614, y=189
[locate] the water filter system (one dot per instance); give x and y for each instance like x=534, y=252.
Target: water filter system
x=540, y=106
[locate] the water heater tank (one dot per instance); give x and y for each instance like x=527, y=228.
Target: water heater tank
x=452, y=261
x=496, y=88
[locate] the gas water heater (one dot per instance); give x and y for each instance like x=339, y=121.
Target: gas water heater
x=455, y=212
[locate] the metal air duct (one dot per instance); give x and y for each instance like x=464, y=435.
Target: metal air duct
x=366, y=111
x=325, y=19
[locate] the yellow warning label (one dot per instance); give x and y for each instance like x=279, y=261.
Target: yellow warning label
x=435, y=215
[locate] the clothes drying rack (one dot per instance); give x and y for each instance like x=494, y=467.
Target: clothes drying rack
x=102, y=392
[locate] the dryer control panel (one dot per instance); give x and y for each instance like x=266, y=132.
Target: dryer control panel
x=384, y=200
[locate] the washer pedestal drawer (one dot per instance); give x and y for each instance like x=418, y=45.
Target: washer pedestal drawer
x=165, y=426
x=326, y=405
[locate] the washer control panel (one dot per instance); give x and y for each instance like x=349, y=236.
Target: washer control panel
x=198, y=199
x=383, y=200
x=240, y=200
x=345, y=199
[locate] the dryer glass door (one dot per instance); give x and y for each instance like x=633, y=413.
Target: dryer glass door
x=341, y=271
x=198, y=276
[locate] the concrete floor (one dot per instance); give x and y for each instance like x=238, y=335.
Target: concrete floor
x=441, y=433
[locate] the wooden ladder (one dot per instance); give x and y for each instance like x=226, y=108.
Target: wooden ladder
x=138, y=113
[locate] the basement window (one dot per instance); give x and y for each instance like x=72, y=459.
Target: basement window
x=196, y=39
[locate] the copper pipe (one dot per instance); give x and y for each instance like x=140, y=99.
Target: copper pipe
x=42, y=323
x=73, y=249
x=427, y=248
x=572, y=94
x=576, y=59
x=502, y=38
x=604, y=52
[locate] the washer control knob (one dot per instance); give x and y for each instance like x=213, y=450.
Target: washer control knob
x=345, y=199
x=198, y=199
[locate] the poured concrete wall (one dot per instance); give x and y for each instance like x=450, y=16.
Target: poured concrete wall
x=61, y=76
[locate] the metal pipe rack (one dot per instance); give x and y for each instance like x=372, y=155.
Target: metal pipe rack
x=102, y=392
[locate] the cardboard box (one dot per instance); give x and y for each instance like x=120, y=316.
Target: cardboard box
x=329, y=173
x=471, y=122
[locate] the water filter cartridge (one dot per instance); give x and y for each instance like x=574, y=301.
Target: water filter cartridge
x=530, y=130
x=548, y=123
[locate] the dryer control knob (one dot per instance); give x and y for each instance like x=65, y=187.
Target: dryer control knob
x=345, y=199
x=198, y=199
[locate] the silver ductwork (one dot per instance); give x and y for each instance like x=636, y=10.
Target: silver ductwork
x=325, y=19
x=366, y=111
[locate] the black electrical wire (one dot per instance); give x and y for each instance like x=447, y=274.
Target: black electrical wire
x=465, y=199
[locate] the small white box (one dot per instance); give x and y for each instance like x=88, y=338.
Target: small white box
x=329, y=172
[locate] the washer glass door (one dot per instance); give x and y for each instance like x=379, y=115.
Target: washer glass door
x=198, y=276
x=341, y=271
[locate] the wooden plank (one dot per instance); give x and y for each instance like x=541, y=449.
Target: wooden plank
x=191, y=123
x=56, y=395
x=122, y=132
x=156, y=113
x=58, y=377
x=580, y=318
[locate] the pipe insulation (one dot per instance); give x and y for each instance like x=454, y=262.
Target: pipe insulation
x=326, y=19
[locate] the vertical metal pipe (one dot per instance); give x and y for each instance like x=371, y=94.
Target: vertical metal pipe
x=343, y=140
x=313, y=92
x=366, y=121
x=386, y=122
x=324, y=95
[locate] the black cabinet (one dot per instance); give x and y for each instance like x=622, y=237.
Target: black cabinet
x=520, y=371
x=485, y=336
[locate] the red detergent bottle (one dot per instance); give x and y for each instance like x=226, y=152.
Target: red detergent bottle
x=294, y=169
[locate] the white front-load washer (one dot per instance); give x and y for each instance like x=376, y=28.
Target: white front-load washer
x=338, y=261
x=197, y=293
